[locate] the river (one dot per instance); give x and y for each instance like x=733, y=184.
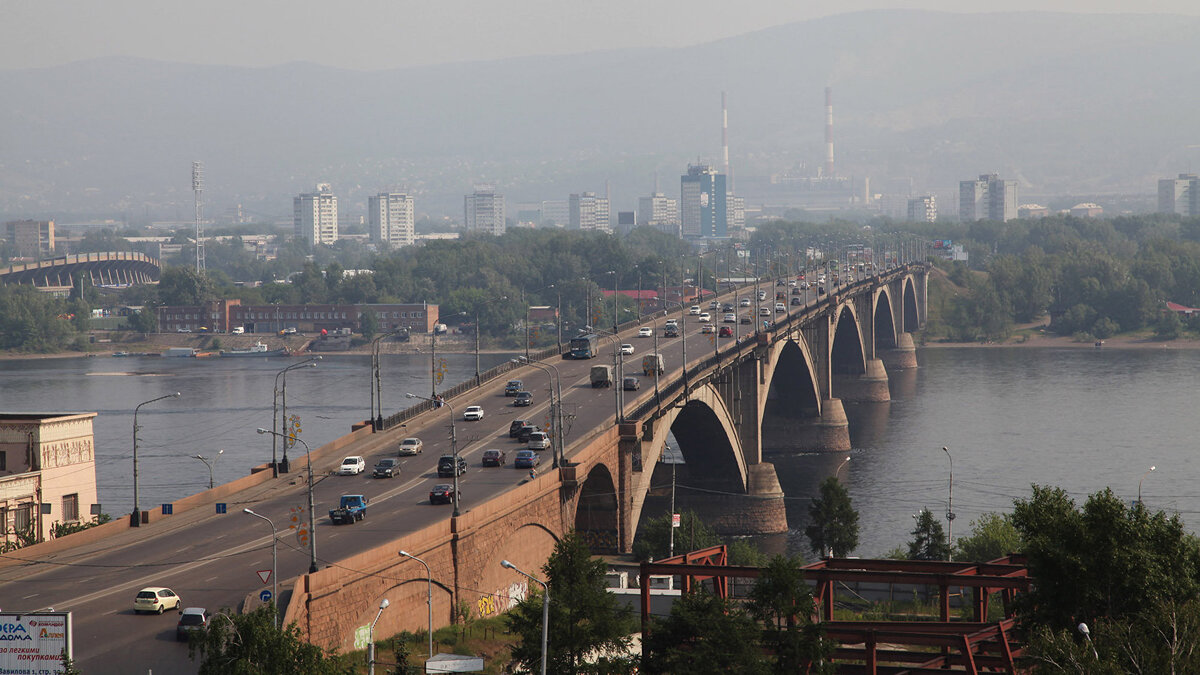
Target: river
x=1080, y=419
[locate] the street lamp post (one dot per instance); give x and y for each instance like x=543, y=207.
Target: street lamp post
x=453, y=445
x=135, y=519
x=428, y=596
x=545, y=608
x=277, y=417
x=312, y=521
x=950, y=507
x=836, y=474
x=274, y=565
x=1140, y=483
x=383, y=604
x=210, y=465
x=555, y=407
x=376, y=383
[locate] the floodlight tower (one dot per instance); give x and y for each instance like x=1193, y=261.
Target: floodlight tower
x=198, y=191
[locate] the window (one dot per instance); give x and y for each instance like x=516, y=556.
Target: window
x=23, y=517
x=70, y=507
x=3, y=461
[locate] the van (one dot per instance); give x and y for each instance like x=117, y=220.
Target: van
x=237, y=330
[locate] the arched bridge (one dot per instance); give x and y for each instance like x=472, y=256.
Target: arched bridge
x=119, y=268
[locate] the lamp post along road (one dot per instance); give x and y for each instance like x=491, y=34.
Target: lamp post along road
x=210, y=465
x=274, y=565
x=453, y=444
x=383, y=604
x=950, y=508
x=555, y=409
x=376, y=382
x=1140, y=483
x=428, y=596
x=277, y=418
x=135, y=519
x=545, y=608
x=312, y=521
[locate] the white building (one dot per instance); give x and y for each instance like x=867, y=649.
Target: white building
x=922, y=209
x=483, y=210
x=47, y=473
x=392, y=218
x=989, y=198
x=316, y=216
x=589, y=212
x=659, y=211
x=735, y=208
x=1180, y=195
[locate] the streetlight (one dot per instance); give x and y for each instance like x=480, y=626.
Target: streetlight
x=950, y=508
x=210, y=466
x=135, y=519
x=274, y=565
x=310, y=363
x=453, y=444
x=428, y=596
x=312, y=522
x=555, y=406
x=383, y=604
x=545, y=607
x=376, y=384
x=1087, y=634
x=839, y=469
x=1140, y=483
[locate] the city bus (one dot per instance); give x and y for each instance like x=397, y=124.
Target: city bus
x=585, y=347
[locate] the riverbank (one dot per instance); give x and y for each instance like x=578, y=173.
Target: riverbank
x=1035, y=335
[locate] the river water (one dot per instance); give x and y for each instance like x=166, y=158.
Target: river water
x=1081, y=419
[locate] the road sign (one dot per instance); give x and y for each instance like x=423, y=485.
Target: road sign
x=265, y=595
x=362, y=637
x=674, y=520
x=265, y=575
x=168, y=509
x=221, y=507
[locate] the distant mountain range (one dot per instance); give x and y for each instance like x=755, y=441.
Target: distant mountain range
x=1065, y=103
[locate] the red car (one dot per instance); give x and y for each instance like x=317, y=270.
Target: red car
x=726, y=331
x=494, y=457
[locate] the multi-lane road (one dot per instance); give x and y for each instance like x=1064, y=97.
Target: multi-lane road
x=212, y=560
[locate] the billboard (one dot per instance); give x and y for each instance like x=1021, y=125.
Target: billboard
x=33, y=644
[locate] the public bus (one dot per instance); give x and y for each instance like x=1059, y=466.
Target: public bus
x=585, y=346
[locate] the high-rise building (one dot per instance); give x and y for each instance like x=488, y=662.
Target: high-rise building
x=735, y=212
x=31, y=238
x=556, y=212
x=1180, y=195
x=703, y=210
x=659, y=211
x=922, y=209
x=989, y=198
x=589, y=212
x=483, y=210
x=392, y=218
x=316, y=216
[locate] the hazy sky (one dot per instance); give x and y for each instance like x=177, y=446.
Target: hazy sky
x=376, y=34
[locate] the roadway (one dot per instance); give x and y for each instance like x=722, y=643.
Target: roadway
x=211, y=560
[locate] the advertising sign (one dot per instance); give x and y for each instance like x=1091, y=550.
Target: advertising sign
x=33, y=644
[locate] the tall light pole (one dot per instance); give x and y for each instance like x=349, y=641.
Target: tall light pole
x=545, y=608
x=1140, y=483
x=274, y=565
x=135, y=519
x=428, y=596
x=950, y=507
x=376, y=382
x=312, y=521
x=836, y=474
x=453, y=445
x=276, y=417
x=555, y=407
x=209, y=465
x=383, y=604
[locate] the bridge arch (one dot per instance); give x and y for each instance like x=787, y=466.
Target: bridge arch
x=883, y=326
x=597, y=511
x=910, y=314
x=847, y=355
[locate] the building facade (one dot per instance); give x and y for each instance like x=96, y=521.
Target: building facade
x=31, y=238
x=990, y=198
x=483, y=210
x=316, y=216
x=47, y=473
x=660, y=212
x=392, y=218
x=219, y=316
x=702, y=202
x=922, y=209
x=589, y=212
x=1180, y=195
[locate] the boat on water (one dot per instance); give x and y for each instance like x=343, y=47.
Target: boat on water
x=259, y=349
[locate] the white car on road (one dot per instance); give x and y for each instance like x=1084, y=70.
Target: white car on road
x=704, y=318
x=411, y=446
x=473, y=413
x=626, y=348
x=354, y=464
x=694, y=310
x=645, y=331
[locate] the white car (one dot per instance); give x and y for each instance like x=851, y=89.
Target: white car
x=352, y=465
x=155, y=599
x=708, y=328
x=473, y=413
x=762, y=295
x=645, y=331
x=780, y=308
x=626, y=348
x=539, y=440
x=671, y=322
x=694, y=310
x=729, y=318
x=744, y=302
x=411, y=446
x=704, y=318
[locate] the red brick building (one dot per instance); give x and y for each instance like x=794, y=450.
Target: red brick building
x=220, y=316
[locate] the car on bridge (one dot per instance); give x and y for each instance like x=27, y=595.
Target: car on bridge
x=526, y=459
x=512, y=387
x=745, y=319
x=494, y=457
x=626, y=348
x=780, y=308
x=524, y=399
x=525, y=431
x=155, y=599
x=631, y=384
x=730, y=317
x=694, y=310
x=704, y=317
x=726, y=331
x=645, y=331
x=514, y=429
x=352, y=465
x=446, y=466
x=744, y=302
x=707, y=328
x=442, y=493
x=388, y=467
x=539, y=440
x=411, y=446
x=473, y=413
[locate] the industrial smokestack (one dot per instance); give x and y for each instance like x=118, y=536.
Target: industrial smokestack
x=829, y=132
x=725, y=133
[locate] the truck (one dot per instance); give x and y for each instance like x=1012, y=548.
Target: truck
x=652, y=363
x=350, y=508
x=585, y=346
x=601, y=376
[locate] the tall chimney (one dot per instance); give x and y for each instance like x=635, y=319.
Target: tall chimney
x=829, y=132
x=725, y=133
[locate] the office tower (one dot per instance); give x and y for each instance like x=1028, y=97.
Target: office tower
x=735, y=212
x=703, y=203
x=659, y=211
x=556, y=212
x=316, y=216
x=1180, y=195
x=589, y=212
x=392, y=218
x=31, y=238
x=483, y=210
x=922, y=209
x=989, y=198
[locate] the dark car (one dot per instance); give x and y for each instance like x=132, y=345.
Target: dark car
x=796, y=291
x=494, y=457
x=727, y=307
x=671, y=331
x=190, y=619
x=442, y=493
x=514, y=429
x=526, y=459
x=726, y=331
x=446, y=466
x=797, y=301
x=745, y=318
x=524, y=432
x=512, y=387
x=388, y=467
x=631, y=384
x=524, y=399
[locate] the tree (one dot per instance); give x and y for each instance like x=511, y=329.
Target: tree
x=369, y=324
x=654, y=536
x=586, y=621
x=703, y=635
x=181, y=285
x=250, y=644
x=929, y=539
x=782, y=601
x=834, y=521
x=993, y=535
x=143, y=321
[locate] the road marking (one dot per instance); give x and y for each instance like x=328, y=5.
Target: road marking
x=30, y=596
